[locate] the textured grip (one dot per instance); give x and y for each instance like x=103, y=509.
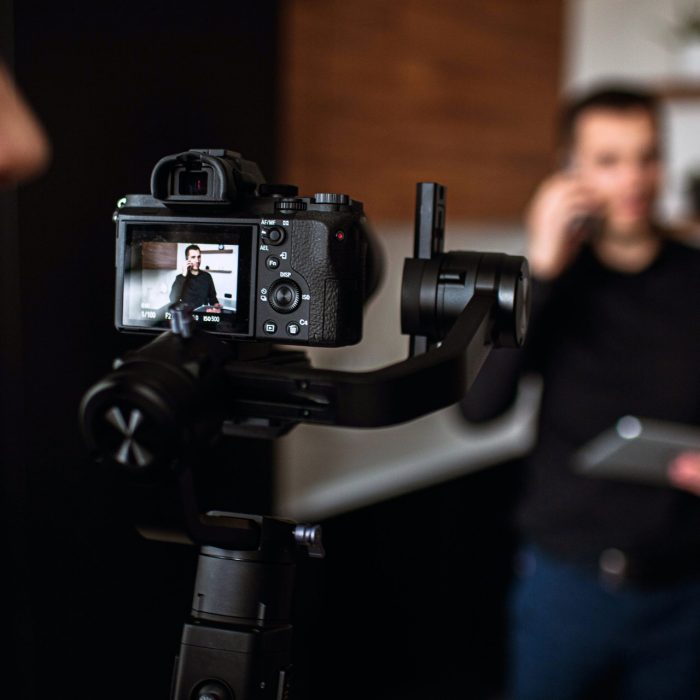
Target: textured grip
x=334, y=269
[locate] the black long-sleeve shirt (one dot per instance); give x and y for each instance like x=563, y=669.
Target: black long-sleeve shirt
x=606, y=344
x=198, y=290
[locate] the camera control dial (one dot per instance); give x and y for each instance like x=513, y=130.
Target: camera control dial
x=290, y=205
x=284, y=296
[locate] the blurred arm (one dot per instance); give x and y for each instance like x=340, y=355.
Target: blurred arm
x=24, y=147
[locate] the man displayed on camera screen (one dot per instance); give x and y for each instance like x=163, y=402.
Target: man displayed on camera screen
x=194, y=286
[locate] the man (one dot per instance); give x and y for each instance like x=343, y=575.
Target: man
x=610, y=570
x=194, y=286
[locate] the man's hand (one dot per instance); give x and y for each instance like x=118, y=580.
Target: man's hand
x=24, y=146
x=684, y=472
x=554, y=223
x=186, y=268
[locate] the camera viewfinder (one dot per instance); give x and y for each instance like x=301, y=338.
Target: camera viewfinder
x=193, y=182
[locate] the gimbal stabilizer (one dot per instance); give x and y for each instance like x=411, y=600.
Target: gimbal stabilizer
x=163, y=400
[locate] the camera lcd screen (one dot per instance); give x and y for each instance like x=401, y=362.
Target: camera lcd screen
x=207, y=266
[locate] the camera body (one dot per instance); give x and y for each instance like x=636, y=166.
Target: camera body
x=272, y=266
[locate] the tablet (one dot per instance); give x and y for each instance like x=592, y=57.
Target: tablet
x=636, y=449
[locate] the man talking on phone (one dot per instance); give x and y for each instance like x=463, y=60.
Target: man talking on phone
x=194, y=286
x=608, y=586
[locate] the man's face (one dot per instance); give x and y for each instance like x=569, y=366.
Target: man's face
x=617, y=156
x=195, y=258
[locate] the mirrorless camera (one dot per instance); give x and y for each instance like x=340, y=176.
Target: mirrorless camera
x=246, y=259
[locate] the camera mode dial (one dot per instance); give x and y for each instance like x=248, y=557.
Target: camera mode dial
x=331, y=198
x=284, y=296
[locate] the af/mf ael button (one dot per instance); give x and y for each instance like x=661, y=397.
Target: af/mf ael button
x=273, y=236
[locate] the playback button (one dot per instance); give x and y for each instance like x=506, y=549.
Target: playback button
x=270, y=327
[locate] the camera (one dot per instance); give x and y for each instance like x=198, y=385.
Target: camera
x=247, y=260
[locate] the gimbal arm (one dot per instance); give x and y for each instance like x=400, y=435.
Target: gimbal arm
x=394, y=394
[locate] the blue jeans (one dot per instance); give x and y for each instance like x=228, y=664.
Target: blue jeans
x=568, y=633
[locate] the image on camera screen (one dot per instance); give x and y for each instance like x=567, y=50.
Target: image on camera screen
x=204, y=266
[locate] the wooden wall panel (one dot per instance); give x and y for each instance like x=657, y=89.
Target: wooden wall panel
x=159, y=256
x=377, y=96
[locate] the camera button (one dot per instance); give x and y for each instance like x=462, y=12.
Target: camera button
x=270, y=327
x=331, y=198
x=284, y=296
x=272, y=263
x=293, y=328
x=273, y=236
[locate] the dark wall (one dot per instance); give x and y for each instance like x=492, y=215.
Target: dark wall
x=95, y=610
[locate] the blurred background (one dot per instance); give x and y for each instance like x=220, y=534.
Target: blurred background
x=366, y=98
